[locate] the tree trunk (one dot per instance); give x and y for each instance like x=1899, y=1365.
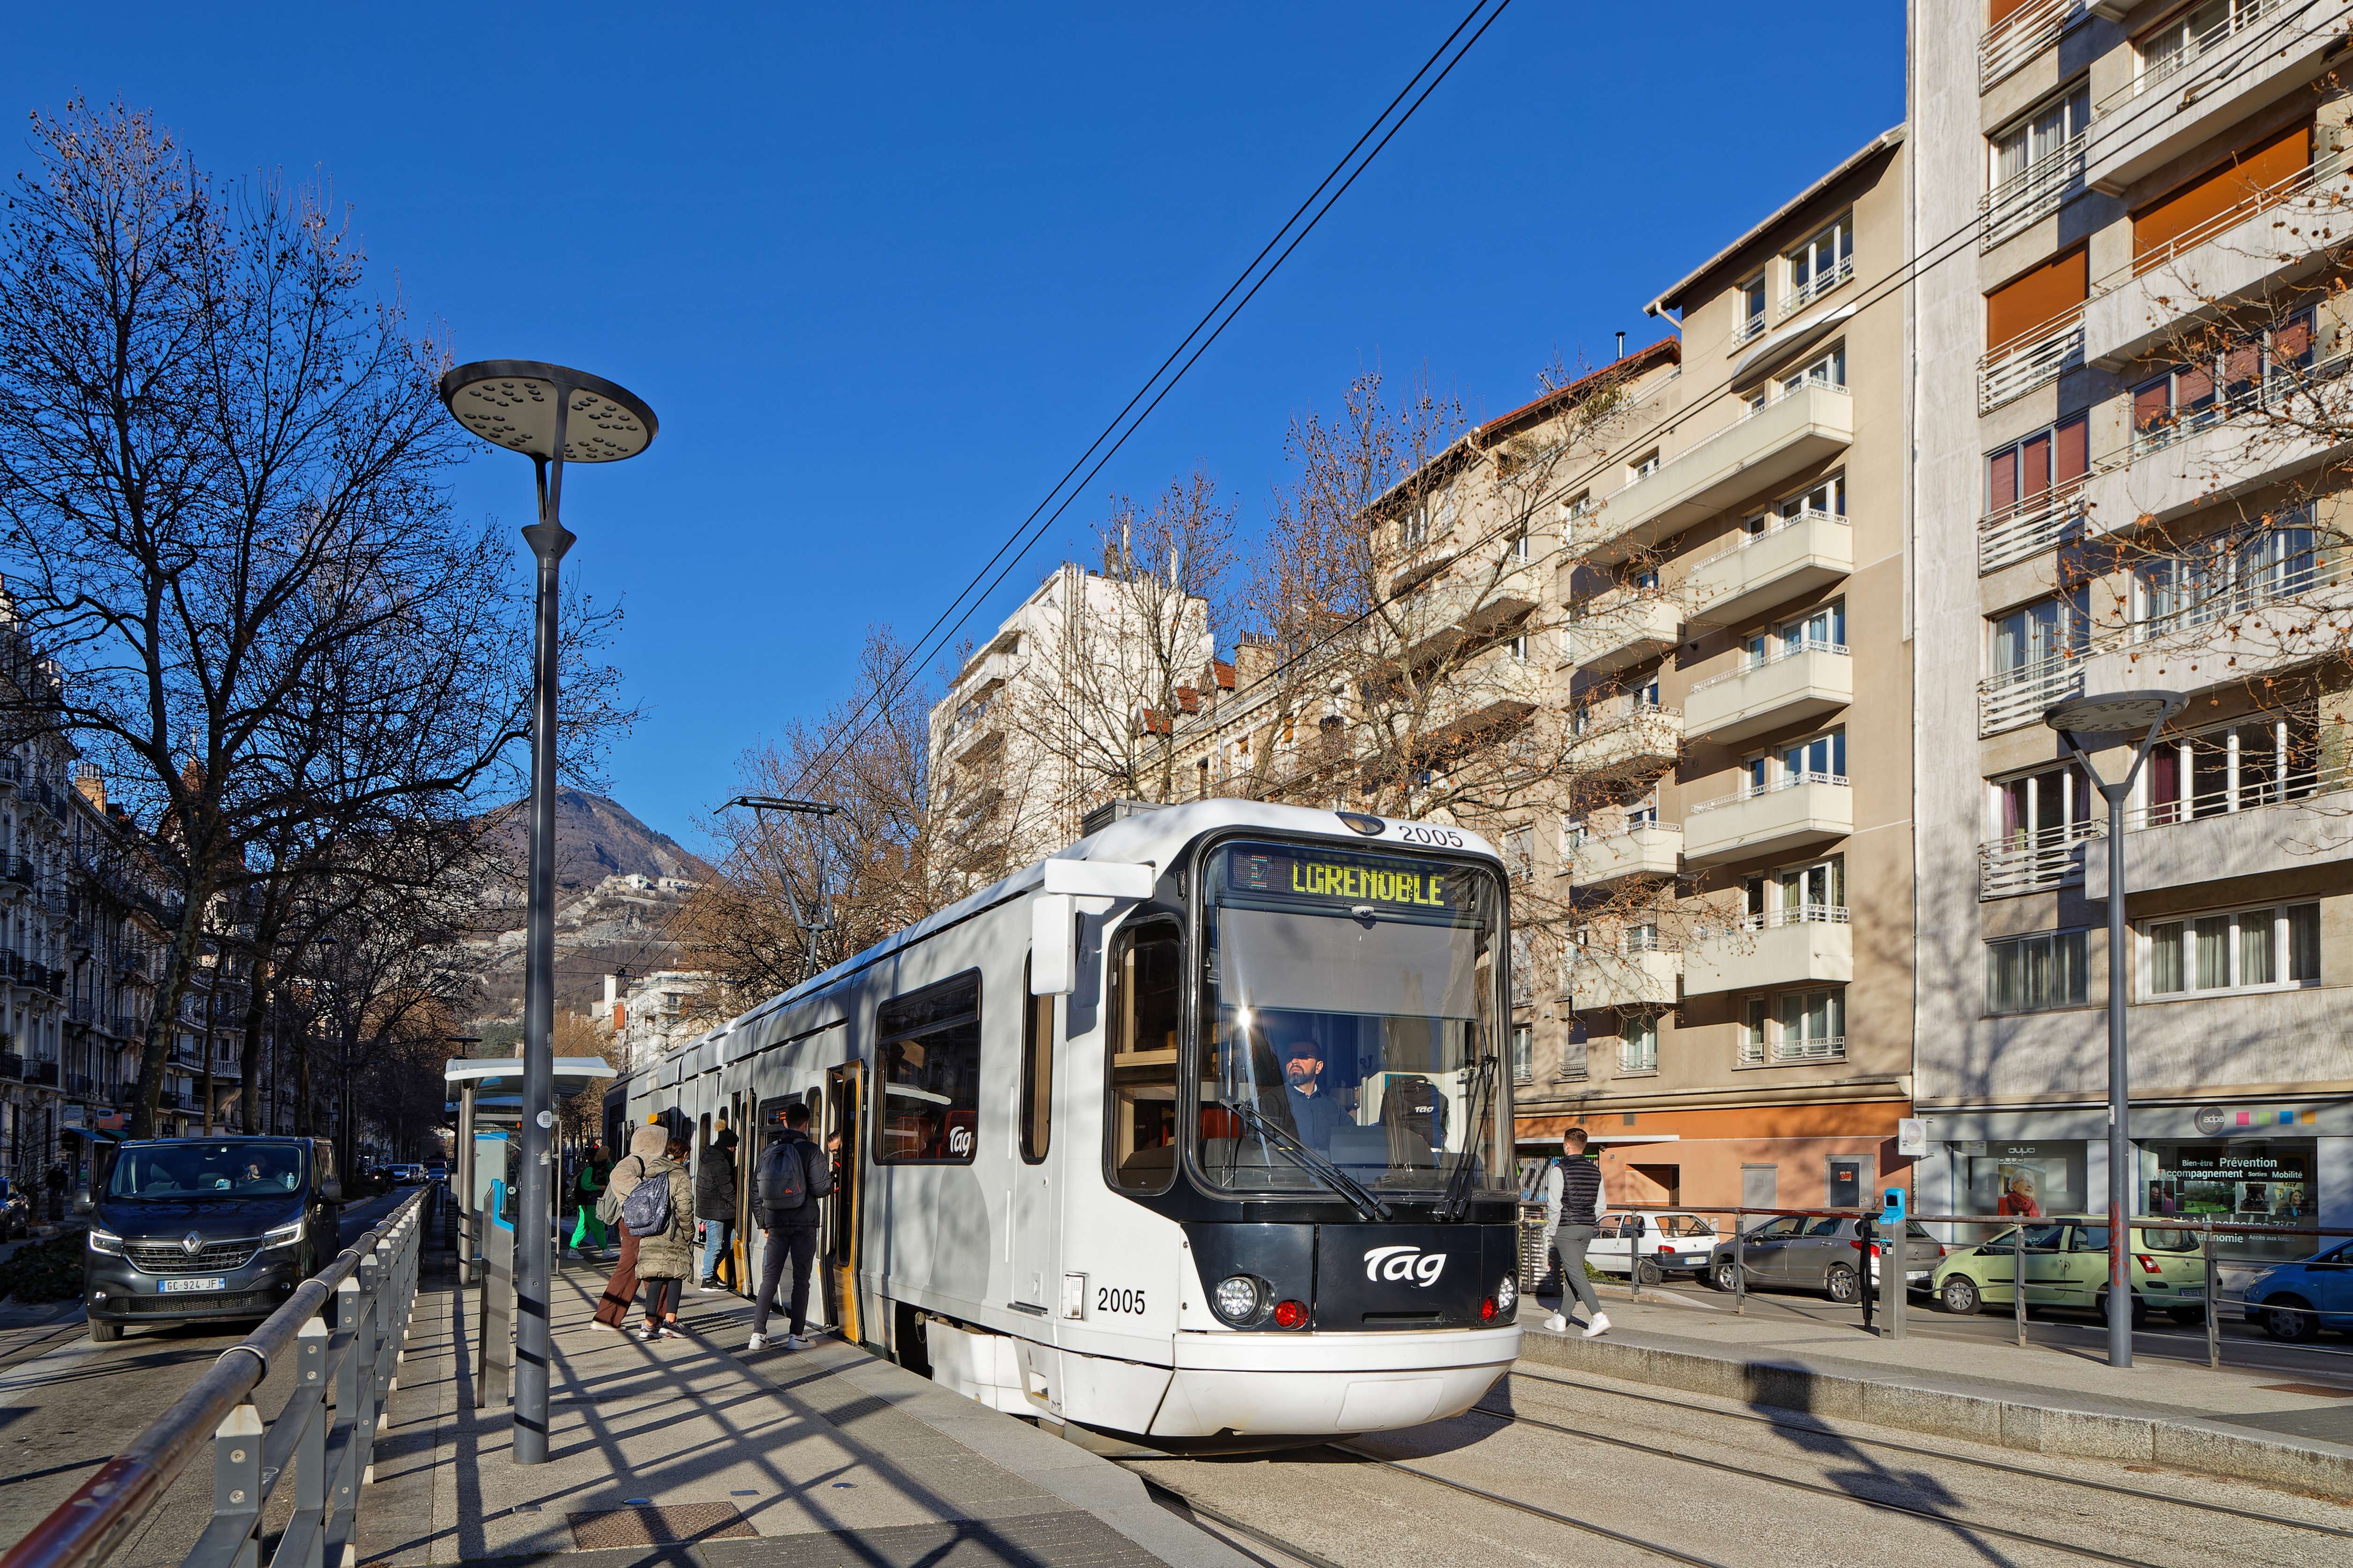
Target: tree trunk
x=165, y=1021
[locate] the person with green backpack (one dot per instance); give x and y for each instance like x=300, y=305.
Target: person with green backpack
x=594, y=1170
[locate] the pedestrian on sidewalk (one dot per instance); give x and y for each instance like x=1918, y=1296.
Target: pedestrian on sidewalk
x=714, y=1202
x=645, y=1145
x=666, y=1251
x=1574, y=1205
x=794, y=1174
x=595, y=1170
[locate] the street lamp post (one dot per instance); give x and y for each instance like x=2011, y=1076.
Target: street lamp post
x=553, y=415
x=2116, y=713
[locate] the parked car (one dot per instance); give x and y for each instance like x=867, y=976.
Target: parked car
x=2067, y=1267
x=405, y=1175
x=1665, y=1241
x=1819, y=1252
x=182, y=1229
x=2297, y=1300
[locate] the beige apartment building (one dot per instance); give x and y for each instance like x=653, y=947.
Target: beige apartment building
x=2133, y=442
x=1734, y=1023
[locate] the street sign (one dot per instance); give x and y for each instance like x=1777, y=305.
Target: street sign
x=1912, y=1136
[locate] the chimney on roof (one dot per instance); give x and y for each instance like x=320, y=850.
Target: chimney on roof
x=90, y=784
x=1621, y=345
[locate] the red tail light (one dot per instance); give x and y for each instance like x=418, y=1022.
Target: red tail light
x=1291, y=1314
x=2147, y=1264
x=1666, y=1247
x=1487, y=1309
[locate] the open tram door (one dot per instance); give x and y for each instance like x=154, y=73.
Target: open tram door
x=838, y=1239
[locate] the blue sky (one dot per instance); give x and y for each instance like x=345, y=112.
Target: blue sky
x=883, y=272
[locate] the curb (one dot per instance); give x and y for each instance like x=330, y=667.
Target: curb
x=2087, y=1430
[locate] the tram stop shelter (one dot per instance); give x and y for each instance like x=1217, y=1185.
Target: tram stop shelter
x=487, y=1100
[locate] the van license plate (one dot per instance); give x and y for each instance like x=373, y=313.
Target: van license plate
x=172, y=1287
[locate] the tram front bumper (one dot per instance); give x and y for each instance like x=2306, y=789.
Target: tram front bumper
x=1328, y=1385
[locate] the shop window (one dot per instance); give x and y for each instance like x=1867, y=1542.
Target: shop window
x=928, y=1070
x=2027, y=1181
x=2236, y=1181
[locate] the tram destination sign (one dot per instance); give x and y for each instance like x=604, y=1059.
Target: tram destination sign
x=1342, y=882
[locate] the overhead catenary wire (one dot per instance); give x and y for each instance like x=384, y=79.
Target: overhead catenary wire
x=1956, y=243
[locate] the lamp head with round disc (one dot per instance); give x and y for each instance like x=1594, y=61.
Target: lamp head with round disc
x=2114, y=712
x=513, y=403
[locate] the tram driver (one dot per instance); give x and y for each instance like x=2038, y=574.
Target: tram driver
x=1314, y=1112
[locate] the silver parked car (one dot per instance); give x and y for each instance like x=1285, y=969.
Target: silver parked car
x=1819, y=1252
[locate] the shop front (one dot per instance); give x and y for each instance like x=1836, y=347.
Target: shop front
x=1838, y=1155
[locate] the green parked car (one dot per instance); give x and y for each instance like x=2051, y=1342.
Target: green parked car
x=2067, y=1267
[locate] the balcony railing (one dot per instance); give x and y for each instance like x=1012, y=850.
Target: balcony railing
x=2027, y=528
x=12, y=1066
x=2042, y=186
x=1819, y=284
x=2036, y=357
x=2033, y=860
x=1794, y=915
x=2022, y=35
x=1812, y=384
x=2017, y=697
x=1787, y=781
x=2237, y=18
x=1796, y=649
x=1817, y=1049
x=2295, y=784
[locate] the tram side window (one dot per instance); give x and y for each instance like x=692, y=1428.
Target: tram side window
x=1038, y=1078
x=1146, y=977
x=927, y=1075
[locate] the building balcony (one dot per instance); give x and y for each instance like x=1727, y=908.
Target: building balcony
x=1628, y=745
x=2041, y=187
x=2275, y=235
x=2294, y=825
x=1797, y=811
x=1760, y=572
x=1641, y=978
x=1811, y=945
x=2279, y=621
x=2025, y=33
x=2013, y=699
x=2035, y=860
x=2262, y=51
x=1655, y=850
x=1798, y=682
x=2026, y=529
x=2202, y=456
x=1755, y=453
x=2036, y=357
x=1613, y=630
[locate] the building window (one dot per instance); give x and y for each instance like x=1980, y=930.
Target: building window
x=1803, y=894
x=1807, y=1026
x=1752, y=310
x=1825, y=368
x=1524, y=1065
x=1642, y=938
x=2234, y=767
x=2024, y=475
x=2032, y=974
x=2275, y=948
x=1820, y=631
x=2037, y=164
x=1519, y=546
x=1822, y=760
x=2029, y=644
x=1646, y=465
x=1638, y=1048
x=1579, y=506
x=2192, y=395
x=1822, y=263
x=2182, y=39
x=1520, y=648
x=2044, y=808
x=2229, y=572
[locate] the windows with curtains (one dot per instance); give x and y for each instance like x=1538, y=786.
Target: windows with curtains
x=2273, y=948
x=2035, y=974
x=2028, y=643
x=1821, y=630
x=2053, y=803
x=1814, y=893
x=2266, y=364
x=2226, y=574
x=2037, y=164
x=1638, y=1047
x=1794, y=1027
x=2232, y=767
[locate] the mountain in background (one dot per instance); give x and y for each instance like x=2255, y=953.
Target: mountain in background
x=606, y=918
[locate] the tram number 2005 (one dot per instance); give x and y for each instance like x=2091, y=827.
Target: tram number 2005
x=1408, y=834
x=1111, y=1300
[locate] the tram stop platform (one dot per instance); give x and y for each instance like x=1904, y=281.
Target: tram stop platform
x=692, y=1452
x=2280, y=1426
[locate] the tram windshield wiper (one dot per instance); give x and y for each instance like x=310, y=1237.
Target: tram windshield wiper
x=1315, y=1165
x=1458, y=1183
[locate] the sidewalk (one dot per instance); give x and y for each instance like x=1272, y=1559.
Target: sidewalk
x=692, y=1452
x=2253, y=1423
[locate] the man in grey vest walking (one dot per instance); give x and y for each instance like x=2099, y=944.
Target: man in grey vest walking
x=1574, y=1205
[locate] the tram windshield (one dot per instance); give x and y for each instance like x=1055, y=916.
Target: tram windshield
x=1349, y=1031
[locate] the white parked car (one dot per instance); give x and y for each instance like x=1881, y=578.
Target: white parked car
x=1669, y=1241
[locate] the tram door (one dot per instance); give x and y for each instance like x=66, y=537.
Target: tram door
x=838, y=1241
x=1029, y=1208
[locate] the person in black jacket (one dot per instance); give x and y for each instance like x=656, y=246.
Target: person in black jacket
x=715, y=1201
x=789, y=1234
x=1576, y=1203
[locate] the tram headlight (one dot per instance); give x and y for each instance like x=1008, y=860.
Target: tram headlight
x=1507, y=1296
x=1239, y=1298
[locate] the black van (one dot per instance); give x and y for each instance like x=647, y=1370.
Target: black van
x=182, y=1229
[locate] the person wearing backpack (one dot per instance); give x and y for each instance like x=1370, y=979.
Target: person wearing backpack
x=659, y=1212
x=588, y=1234
x=646, y=1144
x=714, y=1202
x=793, y=1175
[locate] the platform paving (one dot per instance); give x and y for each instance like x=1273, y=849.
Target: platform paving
x=2255, y=1424
x=691, y=1451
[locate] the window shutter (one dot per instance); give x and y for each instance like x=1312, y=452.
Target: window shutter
x=2034, y=464
x=2150, y=404
x=2001, y=480
x=2003, y=10
x=2189, y=212
x=2071, y=456
x=2027, y=301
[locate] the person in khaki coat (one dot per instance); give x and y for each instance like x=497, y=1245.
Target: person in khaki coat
x=646, y=1146
x=665, y=1260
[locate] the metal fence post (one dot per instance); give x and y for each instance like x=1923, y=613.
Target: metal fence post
x=311, y=1450
x=367, y=1380
x=343, y=1499
x=2213, y=1303
x=1896, y=1281
x=2018, y=1279
x=1739, y=1264
x=237, y=1480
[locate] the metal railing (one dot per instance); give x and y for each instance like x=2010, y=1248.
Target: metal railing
x=2237, y=18
x=1819, y=284
x=2034, y=860
x=373, y=1285
x=2017, y=696
x=2040, y=187
x=1885, y=1262
x=2022, y=35
x=2029, y=527
x=1787, y=781
x=1794, y=648
x=2036, y=357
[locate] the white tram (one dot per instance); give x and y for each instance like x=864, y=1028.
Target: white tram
x=1084, y=1180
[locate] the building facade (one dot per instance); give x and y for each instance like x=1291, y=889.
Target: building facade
x=2141, y=486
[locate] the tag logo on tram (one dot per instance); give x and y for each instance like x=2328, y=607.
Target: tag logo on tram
x=960, y=1142
x=1403, y=1263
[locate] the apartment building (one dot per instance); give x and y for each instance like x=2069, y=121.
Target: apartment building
x=1735, y=1020
x=2133, y=440
x=1067, y=705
